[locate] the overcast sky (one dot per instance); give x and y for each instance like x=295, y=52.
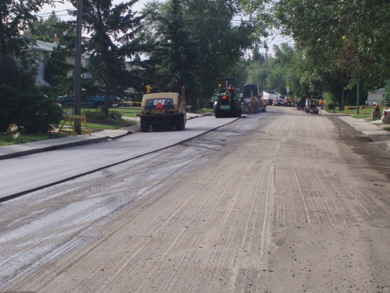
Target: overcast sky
x=60, y=9
x=61, y=12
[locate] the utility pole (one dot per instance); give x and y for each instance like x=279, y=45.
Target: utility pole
x=77, y=68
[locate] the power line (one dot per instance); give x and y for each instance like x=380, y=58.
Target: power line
x=47, y=14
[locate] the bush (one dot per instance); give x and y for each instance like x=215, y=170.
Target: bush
x=113, y=115
x=21, y=101
x=386, y=101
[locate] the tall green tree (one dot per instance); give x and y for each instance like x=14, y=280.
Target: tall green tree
x=15, y=16
x=21, y=101
x=219, y=42
x=352, y=34
x=112, y=31
x=175, y=50
x=46, y=29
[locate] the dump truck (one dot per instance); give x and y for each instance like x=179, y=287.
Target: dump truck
x=228, y=103
x=163, y=105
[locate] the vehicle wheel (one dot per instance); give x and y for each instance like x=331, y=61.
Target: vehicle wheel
x=144, y=125
x=179, y=123
x=217, y=113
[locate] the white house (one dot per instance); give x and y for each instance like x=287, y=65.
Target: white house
x=377, y=96
x=43, y=51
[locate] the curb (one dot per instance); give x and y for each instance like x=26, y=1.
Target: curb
x=53, y=147
x=135, y=129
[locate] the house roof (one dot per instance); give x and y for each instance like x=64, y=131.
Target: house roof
x=43, y=46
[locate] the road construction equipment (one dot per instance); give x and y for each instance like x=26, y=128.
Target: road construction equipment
x=163, y=104
x=251, y=99
x=228, y=102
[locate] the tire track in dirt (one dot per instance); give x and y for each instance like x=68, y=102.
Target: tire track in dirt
x=266, y=212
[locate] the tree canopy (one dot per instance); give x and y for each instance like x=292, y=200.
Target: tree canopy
x=343, y=42
x=112, y=37
x=21, y=101
x=211, y=43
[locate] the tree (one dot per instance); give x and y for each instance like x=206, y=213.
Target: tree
x=46, y=29
x=175, y=51
x=113, y=38
x=21, y=101
x=219, y=43
x=342, y=41
x=352, y=34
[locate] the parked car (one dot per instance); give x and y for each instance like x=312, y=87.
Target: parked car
x=386, y=116
x=90, y=102
x=125, y=102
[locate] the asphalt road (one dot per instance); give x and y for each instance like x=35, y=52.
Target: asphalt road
x=31, y=172
x=277, y=202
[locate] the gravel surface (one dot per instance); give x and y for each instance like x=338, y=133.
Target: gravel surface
x=282, y=201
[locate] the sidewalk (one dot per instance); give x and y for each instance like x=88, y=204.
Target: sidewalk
x=23, y=149
x=372, y=129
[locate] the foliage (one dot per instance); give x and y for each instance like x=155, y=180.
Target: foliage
x=351, y=36
x=21, y=101
x=30, y=137
x=341, y=42
x=97, y=114
x=46, y=29
x=329, y=100
x=387, y=96
x=174, y=51
x=113, y=38
x=212, y=45
x=15, y=16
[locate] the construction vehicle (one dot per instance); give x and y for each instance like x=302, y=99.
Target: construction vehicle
x=163, y=103
x=213, y=99
x=251, y=99
x=311, y=106
x=228, y=103
x=301, y=104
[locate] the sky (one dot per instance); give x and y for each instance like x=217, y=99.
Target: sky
x=60, y=9
x=61, y=12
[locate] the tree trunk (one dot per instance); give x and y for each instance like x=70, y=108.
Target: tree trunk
x=106, y=104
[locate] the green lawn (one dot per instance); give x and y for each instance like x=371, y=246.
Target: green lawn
x=31, y=137
x=129, y=111
x=102, y=126
x=363, y=113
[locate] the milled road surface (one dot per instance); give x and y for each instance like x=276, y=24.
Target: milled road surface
x=277, y=202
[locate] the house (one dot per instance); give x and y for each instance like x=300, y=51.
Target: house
x=43, y=51
x=84, y=63
x=377, y=96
